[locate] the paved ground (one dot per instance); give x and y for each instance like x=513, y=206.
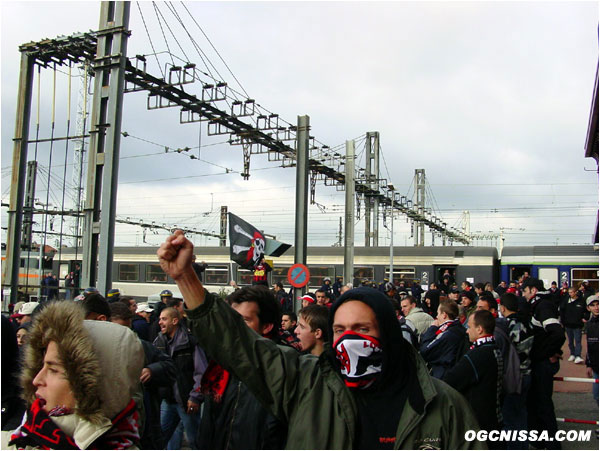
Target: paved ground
x=580, y=406
x=572, y=370
x=574, y=400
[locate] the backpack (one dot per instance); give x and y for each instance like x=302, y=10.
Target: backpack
x=408, y=332
x=512, y=367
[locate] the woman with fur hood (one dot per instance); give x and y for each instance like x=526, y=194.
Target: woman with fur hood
x=78, y=379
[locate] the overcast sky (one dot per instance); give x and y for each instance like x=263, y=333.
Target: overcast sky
x=491, y=99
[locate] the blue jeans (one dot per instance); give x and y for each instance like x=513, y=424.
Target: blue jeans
x=171, y=415
x=574, y=336
x=514, y=412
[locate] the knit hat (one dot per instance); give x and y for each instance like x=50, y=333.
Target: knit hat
x=468, y=294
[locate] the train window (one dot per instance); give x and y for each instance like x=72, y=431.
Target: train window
x=63, y=270
x=155, y=274
x=216, y=275
x=361, y=273
x=244, y=277
x=401, y=273
x=517, y=272
x=129, y=272
x=578, y=275
x=279, y=274
x=318, y=273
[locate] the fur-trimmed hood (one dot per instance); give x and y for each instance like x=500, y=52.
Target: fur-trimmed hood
x=103, y=361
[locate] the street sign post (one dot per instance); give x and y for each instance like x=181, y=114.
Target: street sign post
x=298, y=275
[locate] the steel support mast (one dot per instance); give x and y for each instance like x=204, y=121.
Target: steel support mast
x=103, y=160
x=301, y=223
x=372, y=181
x=349, y=216
x=10, y=275
x=420, y=204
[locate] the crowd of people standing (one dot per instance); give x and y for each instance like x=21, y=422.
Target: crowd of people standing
x=383, y=365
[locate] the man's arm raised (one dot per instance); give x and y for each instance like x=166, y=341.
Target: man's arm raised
x=175, y=257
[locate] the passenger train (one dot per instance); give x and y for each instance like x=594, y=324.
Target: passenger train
x=136, y=271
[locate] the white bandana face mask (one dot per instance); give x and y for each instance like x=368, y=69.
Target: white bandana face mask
x=360, y=357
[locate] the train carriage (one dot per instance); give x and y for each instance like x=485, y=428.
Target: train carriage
x=136, y=271
x=571, y=264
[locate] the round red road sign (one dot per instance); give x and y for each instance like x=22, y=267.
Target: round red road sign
x=298, y=275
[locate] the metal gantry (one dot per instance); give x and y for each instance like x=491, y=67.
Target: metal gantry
x=247, y=125
x=267, y=135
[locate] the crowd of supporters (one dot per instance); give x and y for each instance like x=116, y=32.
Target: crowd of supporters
x=382, y=365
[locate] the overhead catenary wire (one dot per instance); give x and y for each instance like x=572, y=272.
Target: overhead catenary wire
x=170, y=31
x=62, y=204
x=150, y=39
x=37, y=135
x=50, y=159
x=216, y=51
x=78, y=202
x=162, y=31
x=265, y=168
x=199, y=50
x=171, y=149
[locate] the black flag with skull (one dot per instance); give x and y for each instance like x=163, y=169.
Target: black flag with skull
x=246, y=243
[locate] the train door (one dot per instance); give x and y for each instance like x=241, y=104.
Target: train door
x=440, y=271
x=548, y=275
x=517, y=271
x=578, y=275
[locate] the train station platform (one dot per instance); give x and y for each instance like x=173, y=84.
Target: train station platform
x=570, y=369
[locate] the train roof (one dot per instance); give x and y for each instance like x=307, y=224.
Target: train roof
x=408, y=251
x=585, y=254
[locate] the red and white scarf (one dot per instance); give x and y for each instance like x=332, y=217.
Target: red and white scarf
x=483, y=340
x=446, y=325
x=39, y=431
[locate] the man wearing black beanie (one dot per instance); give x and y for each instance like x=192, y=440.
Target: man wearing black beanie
x=369, y=389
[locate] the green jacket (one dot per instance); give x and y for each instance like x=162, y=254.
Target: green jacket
x=309, y=395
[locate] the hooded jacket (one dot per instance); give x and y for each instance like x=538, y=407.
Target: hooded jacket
x=307, y=393
x=102, y=361
x=420, y=319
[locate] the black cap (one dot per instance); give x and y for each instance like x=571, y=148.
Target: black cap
x=533, y=282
